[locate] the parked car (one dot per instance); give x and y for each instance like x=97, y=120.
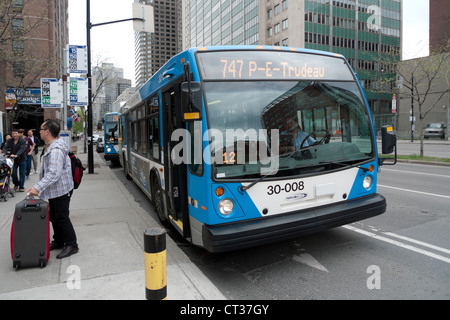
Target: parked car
x=435, y=130
x=100, y=145
x=94, y=138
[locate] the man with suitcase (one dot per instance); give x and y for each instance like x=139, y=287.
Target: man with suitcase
x=56, y=185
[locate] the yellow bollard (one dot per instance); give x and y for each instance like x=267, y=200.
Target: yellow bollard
x=155, y=264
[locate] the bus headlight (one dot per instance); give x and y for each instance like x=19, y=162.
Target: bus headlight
x=367, y=183
x=108, y=149
x=226, y=207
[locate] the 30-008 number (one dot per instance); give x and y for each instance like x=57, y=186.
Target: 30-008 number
x=288, y=187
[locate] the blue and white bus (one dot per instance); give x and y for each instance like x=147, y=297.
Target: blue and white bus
x=245, y=145
x=111, y=136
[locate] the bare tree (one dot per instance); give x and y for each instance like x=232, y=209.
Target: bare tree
x=103, y=75
x=423, y=79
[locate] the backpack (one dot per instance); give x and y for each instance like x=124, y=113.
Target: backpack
x=77, y=170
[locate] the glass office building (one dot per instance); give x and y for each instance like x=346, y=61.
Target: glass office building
x=366, y=32
x=153, y=50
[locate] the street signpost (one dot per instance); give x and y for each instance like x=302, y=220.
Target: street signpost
x=78, y=91
x=77, y=59
x=394, y=104
x=51, y=93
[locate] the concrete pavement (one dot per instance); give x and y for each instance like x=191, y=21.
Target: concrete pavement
x=110, y=228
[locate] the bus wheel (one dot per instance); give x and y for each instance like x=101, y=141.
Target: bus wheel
x=157, y=197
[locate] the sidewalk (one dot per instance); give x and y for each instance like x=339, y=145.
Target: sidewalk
x=110, y=228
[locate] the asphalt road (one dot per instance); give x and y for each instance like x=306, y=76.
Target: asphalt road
x=402, y=254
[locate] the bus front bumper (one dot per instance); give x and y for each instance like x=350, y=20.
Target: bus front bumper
x=239, y=235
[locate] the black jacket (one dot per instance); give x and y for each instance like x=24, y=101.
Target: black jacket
x=16, y=148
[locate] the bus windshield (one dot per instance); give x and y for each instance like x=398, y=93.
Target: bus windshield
x=111, y=128
x=321, y=125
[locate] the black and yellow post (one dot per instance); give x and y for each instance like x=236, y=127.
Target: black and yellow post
x=155, y=264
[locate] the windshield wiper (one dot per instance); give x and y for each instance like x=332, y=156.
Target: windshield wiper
x=344, y=165
x=289, y=154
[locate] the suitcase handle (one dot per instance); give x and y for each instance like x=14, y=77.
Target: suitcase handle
x=31, y=206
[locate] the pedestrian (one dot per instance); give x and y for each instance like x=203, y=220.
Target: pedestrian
x=29, y=150
x=56, y=185
x=15, y=149
x=7, y=137
x=35, y=154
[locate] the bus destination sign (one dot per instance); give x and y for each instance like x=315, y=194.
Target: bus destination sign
x=271, y=65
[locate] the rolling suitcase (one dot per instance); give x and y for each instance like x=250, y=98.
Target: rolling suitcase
x=30, y=233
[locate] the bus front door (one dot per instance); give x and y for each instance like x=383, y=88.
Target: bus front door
x=175, y=173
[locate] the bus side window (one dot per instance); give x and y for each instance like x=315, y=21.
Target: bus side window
x=153, y=137
x=155, y=142
x=134, y=129
x=196, y=148
x=143, y=140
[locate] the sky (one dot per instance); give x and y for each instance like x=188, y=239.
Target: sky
x=115, y=42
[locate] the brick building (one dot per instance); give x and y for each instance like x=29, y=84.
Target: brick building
x=439, y=23
x=33, y=37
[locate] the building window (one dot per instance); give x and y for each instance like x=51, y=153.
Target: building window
x=277, y=9
x=277, y=28
x=285, y=42
x=269, y=32
x=18, y=45
x=285, y=24
x=19, y=69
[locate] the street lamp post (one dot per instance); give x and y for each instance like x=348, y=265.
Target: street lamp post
x=89, y=76
x=89, y=26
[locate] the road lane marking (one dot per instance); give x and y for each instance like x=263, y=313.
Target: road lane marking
x=398, y=243
x=414, y=191
x=420, y=243
x=309, y=260
x=413, y=172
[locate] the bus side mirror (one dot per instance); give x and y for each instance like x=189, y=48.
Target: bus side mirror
x=388, y=139
x=191, y=99
x=388, y=143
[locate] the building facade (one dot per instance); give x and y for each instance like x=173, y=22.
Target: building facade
x=153, y=50
x=108, y=84
x=34, y=35
x=439, y=23
x=367, y=32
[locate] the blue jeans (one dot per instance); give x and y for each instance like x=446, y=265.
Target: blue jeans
x=22, y=167
x=29, y=159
